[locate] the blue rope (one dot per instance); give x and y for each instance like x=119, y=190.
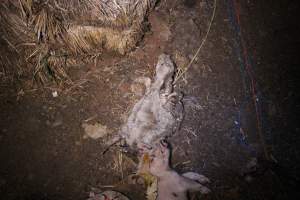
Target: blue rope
x=241, y=137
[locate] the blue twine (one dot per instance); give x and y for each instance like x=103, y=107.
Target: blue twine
x=240, y=137
x=246, y=79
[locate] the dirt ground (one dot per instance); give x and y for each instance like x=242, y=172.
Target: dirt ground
x=43, y=152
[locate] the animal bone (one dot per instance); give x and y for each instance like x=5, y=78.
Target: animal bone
x=172, y=185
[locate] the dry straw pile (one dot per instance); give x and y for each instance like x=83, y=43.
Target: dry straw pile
x=42, y=37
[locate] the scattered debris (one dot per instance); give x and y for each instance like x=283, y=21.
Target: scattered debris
x=94, y=131
x=180, y=60
x=150, y=181
x=151, y=193
x=20, y=94
x=136, y=179
x=90, y=118
x=55, y=94
x=58, y=121
x=107, y=195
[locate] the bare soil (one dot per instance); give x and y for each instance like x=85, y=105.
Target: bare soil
x=43, y=153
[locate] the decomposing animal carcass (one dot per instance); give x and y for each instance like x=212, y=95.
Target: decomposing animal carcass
x=158, y=114
x=172, y=185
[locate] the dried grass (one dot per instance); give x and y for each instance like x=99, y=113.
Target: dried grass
x=87, y=39
x=45, y=34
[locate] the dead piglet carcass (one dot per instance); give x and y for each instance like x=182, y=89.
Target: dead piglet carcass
x=158, y=113
x=172, y=185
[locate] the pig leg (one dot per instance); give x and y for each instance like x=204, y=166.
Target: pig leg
x=196, y=177
x=193, y=186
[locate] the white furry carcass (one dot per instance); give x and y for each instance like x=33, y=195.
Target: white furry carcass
x=171, y=185
x=158, y=113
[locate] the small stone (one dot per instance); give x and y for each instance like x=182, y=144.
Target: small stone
x=57, y=122
x=94, y=131
x=55, y=94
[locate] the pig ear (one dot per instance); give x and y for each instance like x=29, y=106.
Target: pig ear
x=196, y=177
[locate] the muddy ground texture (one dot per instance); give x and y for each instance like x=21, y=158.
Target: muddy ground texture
x=43, y=152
